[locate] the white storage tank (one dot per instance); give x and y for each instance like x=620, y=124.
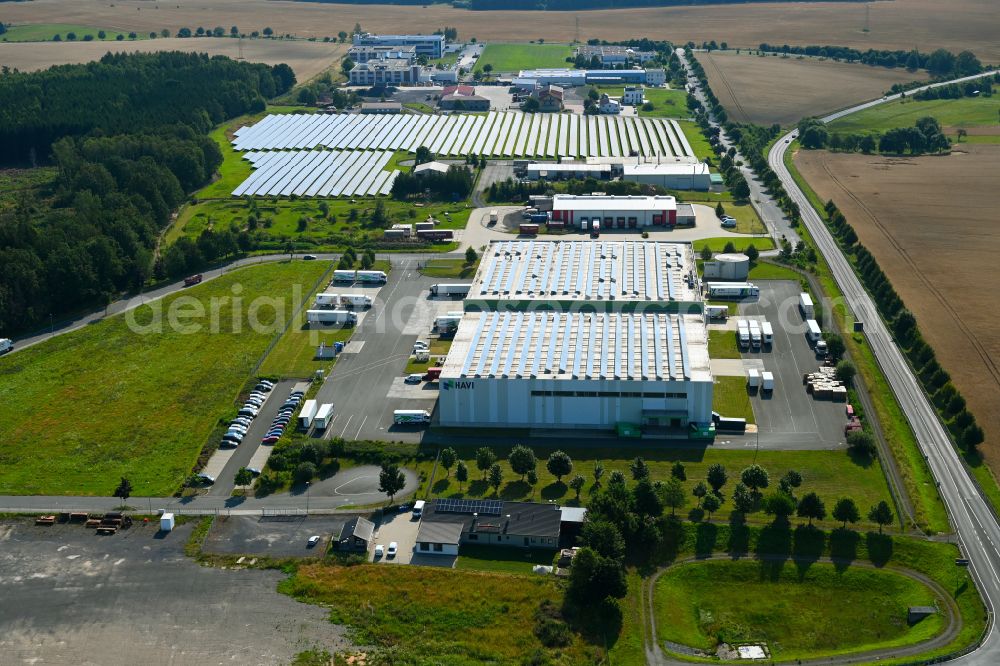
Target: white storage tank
x=167, y=522
x=728, y=267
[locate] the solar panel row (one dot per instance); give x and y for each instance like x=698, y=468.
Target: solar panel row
x=506, y=134
x=322, y=173
x=482, y=507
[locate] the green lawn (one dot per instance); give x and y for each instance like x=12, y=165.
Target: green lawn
x=722, y=344
x=747, y=220
x=667, y=102
x=515, y=57
x=435, y=615
x=108, y=401
x=419, y=106
x=508, y=560
x=449, y=268
x=45, y=32
x=951, y=113
x=821, y=612
x=763, y=270
x=731, y=398
x=831, y=474
x=741, y=244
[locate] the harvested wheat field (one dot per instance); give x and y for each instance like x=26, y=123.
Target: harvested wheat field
x=955, y=25
x=307, y=59
x=772, y=89
x=932, y=224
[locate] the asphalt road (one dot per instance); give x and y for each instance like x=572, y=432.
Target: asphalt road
x=971, y=516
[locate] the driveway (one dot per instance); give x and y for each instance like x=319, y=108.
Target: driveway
x=360, y=485
x=400, y=527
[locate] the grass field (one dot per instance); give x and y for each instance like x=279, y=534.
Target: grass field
x=741, y=244
x=80, y=411
x=667, y=102
x=722, y=344
x=763, y=270
x=730, y=398
x=699, y=144
x=747, y=220
x=45, y=32
x=515, y=57
x=449, y=268
x=831, y=474
x=981, y=113
x=432, y=615
x=508, y=560
x=822, y=612
x=773, y=89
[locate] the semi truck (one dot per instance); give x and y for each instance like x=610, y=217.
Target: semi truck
x=447, y=323
x=306, y=414
x=767, y=333
x=806, y=306
x=813, y=332
x=323, y=416
x=342, y=317
x=461, y=289
x=755, y=336
x=410, y=416
x=368, y=277
x=193, y=280
x=327, y=300
x=732, y=290
x=716, y=311
x=743, y=333
x=595, y=227
x=355, y=301
x=435, y=234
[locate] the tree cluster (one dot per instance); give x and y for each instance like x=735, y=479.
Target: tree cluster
x=941, y=63
x=454, y=185
x=924, y=137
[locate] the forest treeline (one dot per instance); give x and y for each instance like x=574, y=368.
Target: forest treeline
x=127, y=136
x=128, y=93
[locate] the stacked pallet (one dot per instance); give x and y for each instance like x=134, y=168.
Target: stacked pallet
x=824, y=385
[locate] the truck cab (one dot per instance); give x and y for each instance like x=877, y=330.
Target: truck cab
x=595, y=227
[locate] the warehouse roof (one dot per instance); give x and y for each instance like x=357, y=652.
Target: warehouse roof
x=569, y=166
x=552, y=345
x=610, y=202
x=667, y=168
x=589, y=271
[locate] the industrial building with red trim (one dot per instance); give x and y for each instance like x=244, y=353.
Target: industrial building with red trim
x=619, y=212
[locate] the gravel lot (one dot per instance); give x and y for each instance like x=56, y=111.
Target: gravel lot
x=71, y=597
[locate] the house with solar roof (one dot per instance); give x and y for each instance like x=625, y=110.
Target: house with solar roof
x=446, y=524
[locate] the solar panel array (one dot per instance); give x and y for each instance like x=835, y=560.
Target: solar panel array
x=504, y=134
x=318, y=173
x=482, y=507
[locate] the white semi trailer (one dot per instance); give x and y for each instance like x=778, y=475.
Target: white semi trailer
x=342, y=317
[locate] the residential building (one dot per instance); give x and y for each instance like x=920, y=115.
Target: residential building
x=356, y=535
x=550, y=98
x=633, y=96
x=656, y=77
x=362, y=54
x=381, y=73
x=608, y=105
x=463, y=98
x=446, y=524
x=431, y=46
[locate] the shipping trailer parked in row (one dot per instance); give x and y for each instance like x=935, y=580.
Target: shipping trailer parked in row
x=755, y=336
x=355, y=301
x=410, y=416
x=743, y=333
x=342, y=317
x=451, y=289
x=732, y=290
x=368, y=277
x=716, y=311
x=806, y=306
x=323, y=416
x=307, y=413
x=327, y=300
x=767, y=381
x=767, y=333
x=753, y=378
x=813, y=332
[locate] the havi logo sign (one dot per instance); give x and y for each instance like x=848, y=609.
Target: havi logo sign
x=449, y=384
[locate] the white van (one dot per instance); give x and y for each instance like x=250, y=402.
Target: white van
x=418, y=508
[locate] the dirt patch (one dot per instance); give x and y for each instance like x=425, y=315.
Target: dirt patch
x=955, y=25
x=772, y=89
x=931, y=222
x=307, y=59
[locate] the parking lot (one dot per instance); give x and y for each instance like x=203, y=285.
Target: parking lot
x=789, y=418
x=400, y=527
x=72, y=597
x=277, y=536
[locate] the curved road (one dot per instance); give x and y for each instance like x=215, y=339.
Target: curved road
x=971, y=516
x=655, y=654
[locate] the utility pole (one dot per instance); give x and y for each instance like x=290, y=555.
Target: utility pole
x=868, y=13
x=577, y=28
x=240, y=47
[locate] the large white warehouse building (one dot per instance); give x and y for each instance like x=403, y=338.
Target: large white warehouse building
x=580, y=334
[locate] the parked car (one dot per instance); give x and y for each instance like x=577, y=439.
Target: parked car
x=206, y=478
x=269, y=439
x=313, y=540
x=393, y=547
x=379, y=551
x=266, y=382
x=415, y=378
